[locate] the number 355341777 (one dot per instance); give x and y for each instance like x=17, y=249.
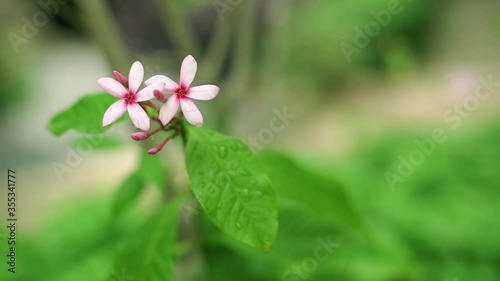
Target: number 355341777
x=11, y=194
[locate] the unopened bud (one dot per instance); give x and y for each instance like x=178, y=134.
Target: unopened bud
x=160, y=96
x=139, y=136
x=121, y=78
x=154, y=150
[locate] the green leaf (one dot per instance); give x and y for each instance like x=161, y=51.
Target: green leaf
x=84, y=116
x=299, y=235
x=148, y=253
x=231, y=186
x=323, y=196
x=153, y=170
x=127, y=193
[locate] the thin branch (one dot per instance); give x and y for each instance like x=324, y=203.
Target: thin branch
x=218, y=50
x=176, y=26
x=98, y=20
x=244, y=43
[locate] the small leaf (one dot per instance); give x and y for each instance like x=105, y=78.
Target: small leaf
x=153, y=170
x=148, y=253
x=230, y=185
x=323, y=196
x=84, y=116
x=127, y=193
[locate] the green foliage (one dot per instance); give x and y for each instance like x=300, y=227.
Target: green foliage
x=81, y=248
x=323, y=196
x=438, y=221
x=437, y=225
x=152, y=169
x=313, y=210
x=148, y=253
x=321, y=27
x=128, y=193
x=14, y=75
x=85, y=116
x=298, y=237
x=231, y=186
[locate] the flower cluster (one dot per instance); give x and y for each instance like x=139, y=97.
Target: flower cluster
x=157, y=87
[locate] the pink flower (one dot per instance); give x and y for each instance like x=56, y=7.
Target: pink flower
x=182, y=94
x=129, y=99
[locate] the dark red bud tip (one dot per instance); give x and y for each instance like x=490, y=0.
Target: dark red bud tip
x=154, y=150
x=139, y=136
x=120, y=78
x=160, y=96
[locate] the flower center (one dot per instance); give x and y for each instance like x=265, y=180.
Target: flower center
x=129, y=98
x=182, y=91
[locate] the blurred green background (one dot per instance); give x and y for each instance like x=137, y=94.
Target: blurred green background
x=354, y=118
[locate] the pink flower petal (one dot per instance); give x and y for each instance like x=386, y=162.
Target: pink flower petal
x=114, y=112
x=135, y=76
x=148, y=92
x=168, y=110
x=205, y=92
x=170, y=85
x=188, y=70
x=191, y=112
x=139, y=116
x=112, y=86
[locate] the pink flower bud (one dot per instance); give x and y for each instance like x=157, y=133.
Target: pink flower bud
x=121, y=78
x=160, y=96
x=154, y=150
x=139, y=136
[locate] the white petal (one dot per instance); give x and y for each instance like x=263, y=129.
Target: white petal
x=112, y=86
x=139, y=116
x=168, y=110
x=114, y=112
x=205, y=92
x=148, y=92
x=188, y=70
x=191, y=112
x=135, y=76
x=170, y=85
